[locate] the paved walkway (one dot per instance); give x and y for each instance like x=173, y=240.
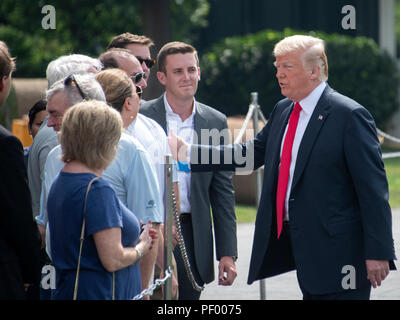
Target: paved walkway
x=285, y=287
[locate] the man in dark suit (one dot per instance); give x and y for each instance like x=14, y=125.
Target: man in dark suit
x=19, y=236
x=324, y=205
x=178, y=111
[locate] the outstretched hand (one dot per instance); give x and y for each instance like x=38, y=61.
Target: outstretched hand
x=178, y=147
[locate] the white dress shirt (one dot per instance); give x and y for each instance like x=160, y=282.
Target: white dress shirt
x=185, y=130
x=308, y=105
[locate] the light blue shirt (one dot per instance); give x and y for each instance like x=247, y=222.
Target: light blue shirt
x=130, y=174
x=153, y=138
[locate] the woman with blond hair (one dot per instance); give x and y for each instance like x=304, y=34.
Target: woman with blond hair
x=121, y=94
x=112, y=244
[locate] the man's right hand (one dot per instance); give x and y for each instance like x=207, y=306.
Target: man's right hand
x=178, y=147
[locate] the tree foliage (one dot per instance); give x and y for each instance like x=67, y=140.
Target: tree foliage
x=84, y=26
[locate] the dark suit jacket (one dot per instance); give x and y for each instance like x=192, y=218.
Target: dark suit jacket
x=208, y=188
x=19, y=238
x=338, y=207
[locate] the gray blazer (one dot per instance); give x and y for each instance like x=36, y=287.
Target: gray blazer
x=207, y=188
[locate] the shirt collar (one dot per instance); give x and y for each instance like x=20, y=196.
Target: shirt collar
x=308, y=103
x=169, y=110
x=132, y=125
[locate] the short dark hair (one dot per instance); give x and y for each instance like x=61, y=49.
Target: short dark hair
x=124, y=39
x=174, y=48
x=36, y=108
x=7, y=64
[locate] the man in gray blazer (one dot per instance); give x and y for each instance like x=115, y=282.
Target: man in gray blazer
x=177, y=110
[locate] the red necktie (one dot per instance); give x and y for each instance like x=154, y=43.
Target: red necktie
x=285, y=166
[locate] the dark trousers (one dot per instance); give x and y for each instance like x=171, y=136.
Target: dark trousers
x=186, y=290
x=11, y=282
x=356, y=294
x=281, y=251
x=350, y=294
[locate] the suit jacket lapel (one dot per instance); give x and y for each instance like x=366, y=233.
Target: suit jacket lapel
x=196, y=178
x=321, y=112
x=284, y=118
x=276, y=149
x=200, y=122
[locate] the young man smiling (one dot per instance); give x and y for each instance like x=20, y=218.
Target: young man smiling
x=177, y=110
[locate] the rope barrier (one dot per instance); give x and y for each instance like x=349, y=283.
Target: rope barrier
x=261, y=115
x=245, y=123
x=391, y=155
x=388, y=137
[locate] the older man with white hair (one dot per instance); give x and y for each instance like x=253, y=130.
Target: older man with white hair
x=46, y=139
x=324, y=207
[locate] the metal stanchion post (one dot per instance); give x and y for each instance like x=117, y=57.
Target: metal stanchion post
x=254, y=102
x=168, y=225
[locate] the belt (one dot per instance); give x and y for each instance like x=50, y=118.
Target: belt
x=185, y=217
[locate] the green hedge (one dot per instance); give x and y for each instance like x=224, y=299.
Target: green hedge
x=236, y=66
x=33, y=52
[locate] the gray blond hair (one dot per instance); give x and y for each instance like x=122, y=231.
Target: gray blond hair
x=87, y=83
x=117, y=86
x=71, y=64
x=313, y=52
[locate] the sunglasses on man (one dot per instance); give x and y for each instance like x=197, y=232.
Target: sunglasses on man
x=68, y=82
x=139, y=91
x=149, y=62
x=136, y=78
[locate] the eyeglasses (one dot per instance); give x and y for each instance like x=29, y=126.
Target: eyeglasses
x=139, y=91
x=68, y=81
x=137, y=77
x=149, y=62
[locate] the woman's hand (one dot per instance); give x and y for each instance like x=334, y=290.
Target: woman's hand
x=147, y=237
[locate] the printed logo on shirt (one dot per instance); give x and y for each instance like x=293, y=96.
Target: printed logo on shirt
x=150, y=204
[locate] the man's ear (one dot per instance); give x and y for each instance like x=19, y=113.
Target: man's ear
x=199, y=73
x=315, y=72
x=161, y=77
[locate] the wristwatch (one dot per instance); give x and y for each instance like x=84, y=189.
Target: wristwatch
x=140, y=253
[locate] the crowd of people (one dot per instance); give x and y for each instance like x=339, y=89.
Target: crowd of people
x=89, y=201
x=121, y=249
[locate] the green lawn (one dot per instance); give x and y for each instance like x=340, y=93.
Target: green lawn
x=392, y=166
